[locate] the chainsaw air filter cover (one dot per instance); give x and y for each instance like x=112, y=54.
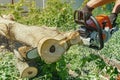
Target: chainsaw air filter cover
x=103, y=21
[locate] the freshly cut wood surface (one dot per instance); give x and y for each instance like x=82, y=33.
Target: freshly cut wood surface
x=27, y=69
x=50, y=50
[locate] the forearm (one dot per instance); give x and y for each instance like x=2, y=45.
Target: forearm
x=116, y=8
x=97, y=3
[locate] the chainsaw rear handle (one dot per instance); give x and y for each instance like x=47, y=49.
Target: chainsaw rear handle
x=78, y=17
x=99, y=30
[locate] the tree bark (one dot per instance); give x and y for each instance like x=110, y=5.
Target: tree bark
x=27, y=68
x=51, y=43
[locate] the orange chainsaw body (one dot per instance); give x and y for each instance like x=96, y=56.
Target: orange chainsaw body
x=103, y=21
x=95, y=30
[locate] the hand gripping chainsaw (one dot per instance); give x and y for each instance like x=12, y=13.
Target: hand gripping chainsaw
x=95, y=31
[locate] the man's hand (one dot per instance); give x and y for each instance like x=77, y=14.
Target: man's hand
x=87, y=12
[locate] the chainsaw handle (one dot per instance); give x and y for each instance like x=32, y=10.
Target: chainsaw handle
x=99, y=34
x=78, y=17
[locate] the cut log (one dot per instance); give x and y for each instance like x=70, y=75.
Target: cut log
x=27, y=69
x=50, y=50
x=51, y=43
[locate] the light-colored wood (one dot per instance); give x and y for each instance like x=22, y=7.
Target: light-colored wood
x=50, y=50
x=26, y=69
x=26, y=53
x=17, y=55
x=50, y=42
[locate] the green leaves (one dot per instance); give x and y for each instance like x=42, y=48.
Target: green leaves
x=79, y=59
x=8, y=70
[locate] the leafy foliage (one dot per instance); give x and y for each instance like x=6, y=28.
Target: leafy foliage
x=56, y=13
x=82, y=61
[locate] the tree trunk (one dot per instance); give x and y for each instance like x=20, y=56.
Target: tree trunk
x=51, y=43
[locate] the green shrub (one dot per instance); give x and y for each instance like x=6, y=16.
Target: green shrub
x=79, y=59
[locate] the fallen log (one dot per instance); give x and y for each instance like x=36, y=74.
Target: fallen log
x=50, y=43
x=27, y=69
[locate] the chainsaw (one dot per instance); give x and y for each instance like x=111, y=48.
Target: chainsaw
x=97, y=30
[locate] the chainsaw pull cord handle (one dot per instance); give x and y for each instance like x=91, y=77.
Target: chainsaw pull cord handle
x=99, y=34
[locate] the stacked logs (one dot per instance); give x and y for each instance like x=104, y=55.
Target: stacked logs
x=44, y=42
x=39, y=42
x=27, y=68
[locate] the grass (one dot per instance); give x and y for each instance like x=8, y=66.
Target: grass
x=78, y=63
x=78, y=58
